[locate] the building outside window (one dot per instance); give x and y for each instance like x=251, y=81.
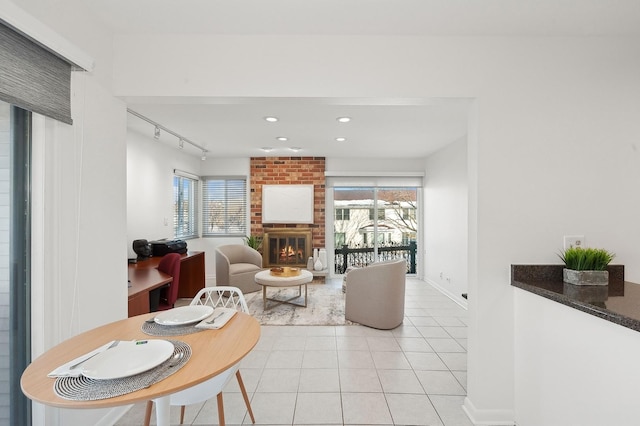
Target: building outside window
x=381, y=214
x=342, y=214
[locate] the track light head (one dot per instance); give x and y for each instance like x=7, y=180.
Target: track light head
x=156, y=133
x=181, y=143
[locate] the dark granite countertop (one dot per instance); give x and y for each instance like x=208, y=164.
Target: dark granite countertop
x=618, y=302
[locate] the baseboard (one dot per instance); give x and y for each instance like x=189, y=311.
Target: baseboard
x=488, y=417
x=113, y=415
x=455, y=297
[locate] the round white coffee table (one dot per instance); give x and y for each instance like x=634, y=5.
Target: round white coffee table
x=265, y=279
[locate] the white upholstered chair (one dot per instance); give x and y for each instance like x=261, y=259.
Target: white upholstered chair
x=375, y=294
x=237, y=265
x=219, y=296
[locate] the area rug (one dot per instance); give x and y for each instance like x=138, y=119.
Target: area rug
x=325, y=306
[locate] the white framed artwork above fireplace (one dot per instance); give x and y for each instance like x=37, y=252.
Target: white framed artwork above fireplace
x=287, y=204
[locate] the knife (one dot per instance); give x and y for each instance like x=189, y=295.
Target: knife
x=76, y=365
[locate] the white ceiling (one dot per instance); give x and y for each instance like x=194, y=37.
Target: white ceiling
x=399, y=129
x=380, y=127
x=371, y=17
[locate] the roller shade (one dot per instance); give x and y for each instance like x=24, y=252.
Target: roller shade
x=379, y=180
x=33, y=78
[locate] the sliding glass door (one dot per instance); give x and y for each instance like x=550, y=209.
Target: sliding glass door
x=15, y=328
x=373, y=224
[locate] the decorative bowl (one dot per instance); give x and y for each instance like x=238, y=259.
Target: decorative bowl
x=284, y=271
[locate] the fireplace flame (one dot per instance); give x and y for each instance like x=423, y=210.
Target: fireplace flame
x=289, y=251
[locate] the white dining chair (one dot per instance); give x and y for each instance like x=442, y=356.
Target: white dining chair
x=218, y=296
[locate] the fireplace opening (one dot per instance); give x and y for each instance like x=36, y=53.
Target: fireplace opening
x=288, y=247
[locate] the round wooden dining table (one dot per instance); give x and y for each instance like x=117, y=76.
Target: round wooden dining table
x=212, y=352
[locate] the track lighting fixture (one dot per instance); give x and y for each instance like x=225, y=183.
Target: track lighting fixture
x=158, y=127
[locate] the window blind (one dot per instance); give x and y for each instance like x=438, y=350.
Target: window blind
x=224, y=206
x=33, y=78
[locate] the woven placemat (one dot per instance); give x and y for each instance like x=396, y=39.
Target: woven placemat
x=84, y=389
x=155, y=329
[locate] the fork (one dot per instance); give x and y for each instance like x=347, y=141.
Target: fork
x=113, y=345
x=212, y=320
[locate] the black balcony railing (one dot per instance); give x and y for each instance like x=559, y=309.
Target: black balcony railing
x=362, y=256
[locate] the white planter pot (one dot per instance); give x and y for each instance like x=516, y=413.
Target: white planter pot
x=322, y=256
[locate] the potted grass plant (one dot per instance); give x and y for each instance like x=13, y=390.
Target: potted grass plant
x=586, y=266
x=253, y=241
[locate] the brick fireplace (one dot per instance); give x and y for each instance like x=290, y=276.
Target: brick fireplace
x=289, y=171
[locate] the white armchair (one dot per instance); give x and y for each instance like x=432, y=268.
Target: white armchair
x=237, y=266
x=375, y=294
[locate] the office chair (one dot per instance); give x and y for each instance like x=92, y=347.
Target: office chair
x=170, y=264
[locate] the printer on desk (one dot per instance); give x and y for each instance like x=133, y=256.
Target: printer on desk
x=162, y=247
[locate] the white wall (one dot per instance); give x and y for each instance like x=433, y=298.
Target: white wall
x=73, y=21
x=555, y=127
x=445, y=220
x=79, y=275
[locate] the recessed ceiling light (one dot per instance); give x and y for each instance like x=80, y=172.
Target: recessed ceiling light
x=282, y=138
x=295, y=148
x=271, y=119
x=344, y=119
x=341, y=139
x=266, y=149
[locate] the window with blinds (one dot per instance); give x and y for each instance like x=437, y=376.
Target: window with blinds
x=185, y=199
x=224, y=206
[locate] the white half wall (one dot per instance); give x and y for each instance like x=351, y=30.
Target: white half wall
x=446, y=220
x=573, y=368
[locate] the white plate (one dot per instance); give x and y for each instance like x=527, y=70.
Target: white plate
x=127, y=359
x=184, y=315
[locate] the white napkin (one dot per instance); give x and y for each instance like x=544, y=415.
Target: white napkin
x=221, y=315
x=65, y=370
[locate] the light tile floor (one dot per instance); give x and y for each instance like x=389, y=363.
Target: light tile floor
x=351, y=375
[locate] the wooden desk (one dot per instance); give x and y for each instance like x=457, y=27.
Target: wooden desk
x=213, y=351
x=144, y=277
x=142, y=281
